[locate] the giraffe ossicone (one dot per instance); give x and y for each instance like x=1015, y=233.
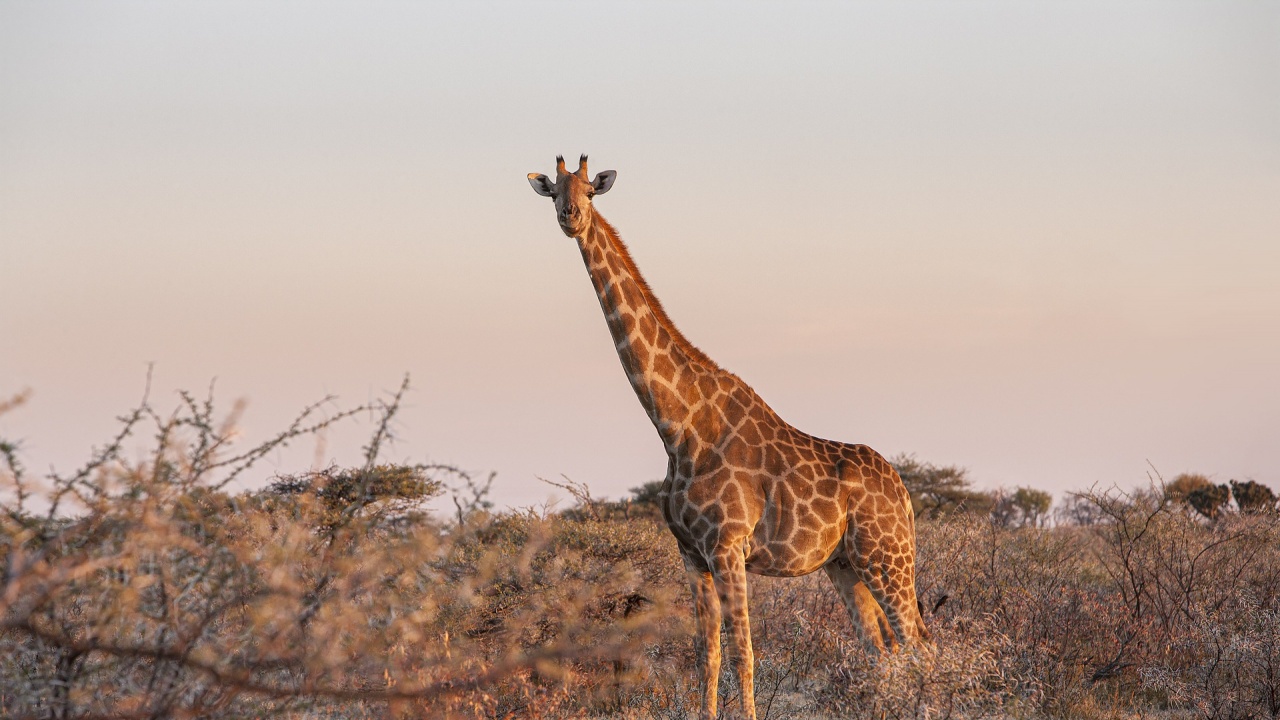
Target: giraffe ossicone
x=745, y=491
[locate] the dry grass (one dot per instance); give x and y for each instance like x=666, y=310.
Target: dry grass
x=147, y=589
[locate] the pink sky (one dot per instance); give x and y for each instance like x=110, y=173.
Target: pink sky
x=1036, y=241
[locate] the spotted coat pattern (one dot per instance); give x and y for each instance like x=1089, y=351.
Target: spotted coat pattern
x=744, y=490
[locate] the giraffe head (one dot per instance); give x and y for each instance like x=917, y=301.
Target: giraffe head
x=572, y=193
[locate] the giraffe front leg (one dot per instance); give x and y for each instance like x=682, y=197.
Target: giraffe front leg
x=706, y=605
x=731, y=583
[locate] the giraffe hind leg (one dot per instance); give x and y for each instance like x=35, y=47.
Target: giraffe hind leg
x=894, y=592
x=883, y=558
x=869, y=620
x=921, y=630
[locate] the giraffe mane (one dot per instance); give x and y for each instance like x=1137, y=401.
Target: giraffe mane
x=654, y=304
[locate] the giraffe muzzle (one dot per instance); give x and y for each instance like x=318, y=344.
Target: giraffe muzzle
x=571, y=221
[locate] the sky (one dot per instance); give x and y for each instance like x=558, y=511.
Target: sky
x=1039, y=241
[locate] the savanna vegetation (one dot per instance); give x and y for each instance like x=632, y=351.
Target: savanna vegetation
x=150, y=588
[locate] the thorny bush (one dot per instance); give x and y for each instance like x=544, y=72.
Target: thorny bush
x=151, y=589
x=148, y=589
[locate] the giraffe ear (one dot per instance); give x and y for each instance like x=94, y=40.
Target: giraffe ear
x=604, y=181
x=542, y=185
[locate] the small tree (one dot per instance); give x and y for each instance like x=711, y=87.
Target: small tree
x=647, y=494
x=1181, y=487
x=1033, y=505
x=1077, y=509
x=937, y=491
x=1209, y=500
x=1253, y=497
x=389, y=490
x=1023, y=507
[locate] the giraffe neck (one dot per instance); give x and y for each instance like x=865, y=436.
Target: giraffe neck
x=664, y=368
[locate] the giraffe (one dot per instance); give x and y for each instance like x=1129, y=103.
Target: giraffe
x=744, y=490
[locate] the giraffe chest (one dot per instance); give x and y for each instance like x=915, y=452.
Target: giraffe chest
x=787, y=517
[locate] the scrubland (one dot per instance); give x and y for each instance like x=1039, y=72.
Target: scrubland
x=152, y=588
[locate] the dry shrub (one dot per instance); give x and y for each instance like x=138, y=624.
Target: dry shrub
x=145, y=589
x=148, y=589
x=1237, y=673
x=810, y=663
x=1149, y=606
x=797, y=627
x=1184, y=582
x=1036, y=591
x=964, y=675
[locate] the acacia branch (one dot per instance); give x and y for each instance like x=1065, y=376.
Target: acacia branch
x=241, y=679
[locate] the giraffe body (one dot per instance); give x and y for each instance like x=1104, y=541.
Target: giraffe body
x=745, y=491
